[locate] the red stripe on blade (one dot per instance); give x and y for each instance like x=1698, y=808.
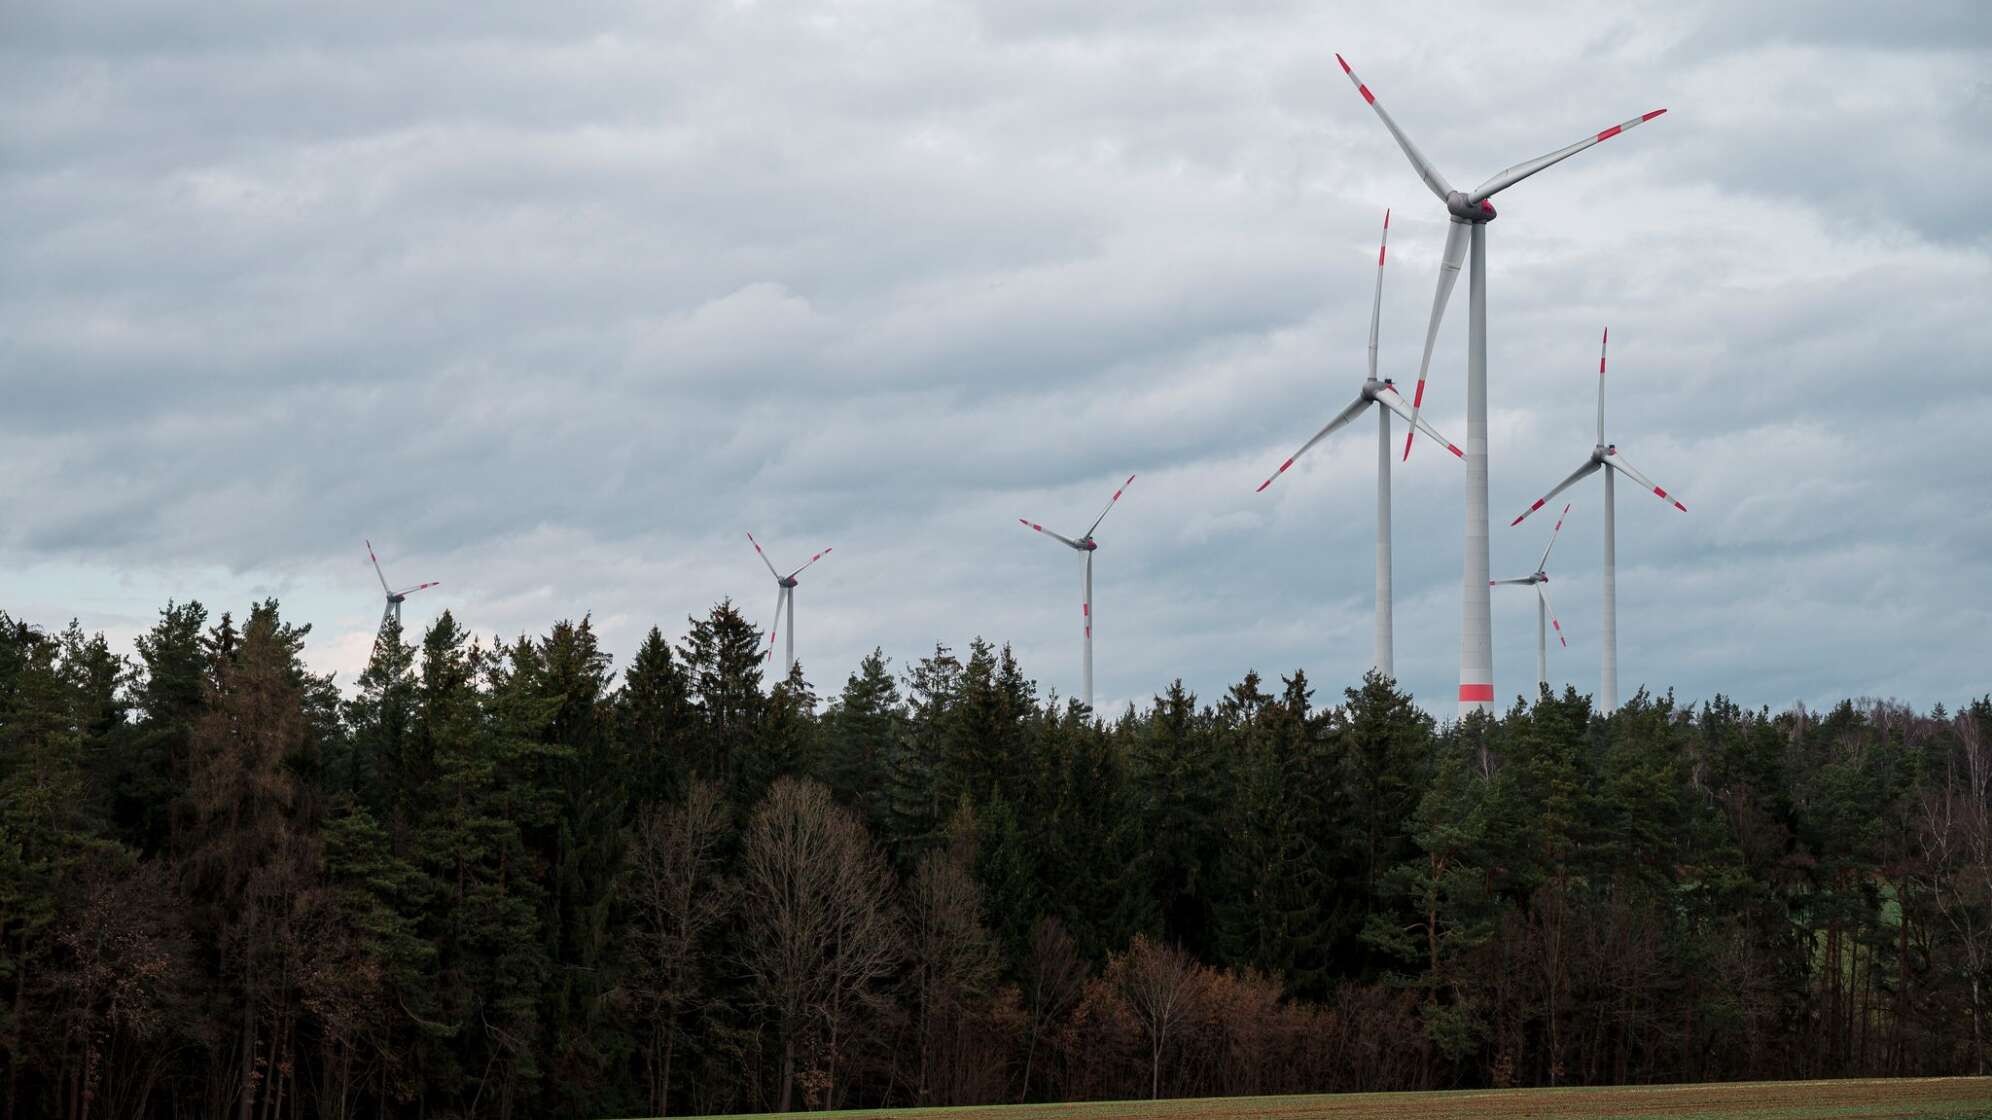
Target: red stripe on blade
x=1345, y=64
x=1611, y=132
x=1651, y=115
x=1367, y=95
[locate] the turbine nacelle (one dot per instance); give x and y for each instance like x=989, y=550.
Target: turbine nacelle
x=1467, y=210
x=1089, y=545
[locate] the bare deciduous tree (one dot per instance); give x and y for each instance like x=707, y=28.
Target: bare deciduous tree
x=1956, y=837
x=954, y=958
x=1163, y=986
x=1054, y=977
x=678, y=895
x=822, y=935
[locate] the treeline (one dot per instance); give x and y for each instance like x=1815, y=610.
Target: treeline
x=503, y=880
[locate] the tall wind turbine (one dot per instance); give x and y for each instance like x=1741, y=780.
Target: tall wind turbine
x=1543, y=609
x=1470, y=212
x=1606, y=455
x=783, y=597
x=394, y=597
x=1383, y=394
x=1085, y=544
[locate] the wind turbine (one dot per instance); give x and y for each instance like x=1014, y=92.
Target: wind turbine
x=1606, y=455
x=1085, y=544
x=1384, y=394
x=1543, y=609
x=784, y=596
x=1470, y=212
x=394, y=597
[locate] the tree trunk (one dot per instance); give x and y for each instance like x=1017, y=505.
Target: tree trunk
x=1977, y=1026
x=788, y=1072
x=246, y=1110
x=663, y=1104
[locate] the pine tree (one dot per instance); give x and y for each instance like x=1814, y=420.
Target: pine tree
x=379, y=752
x=915, y=765
x=863, y=728
x=654, y=721
x=1182, y=788
x=722, y=659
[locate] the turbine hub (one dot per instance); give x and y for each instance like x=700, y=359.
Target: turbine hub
x=1089, y=544
x=1478, y=213
x=788, y=581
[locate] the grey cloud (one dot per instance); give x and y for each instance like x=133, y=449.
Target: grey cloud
x=555, y=305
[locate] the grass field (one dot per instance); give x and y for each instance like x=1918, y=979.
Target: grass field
x=1761, y=1100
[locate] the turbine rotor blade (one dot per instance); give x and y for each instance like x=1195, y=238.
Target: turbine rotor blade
x=1047, y=532
x=764, y=557
x=781, y=596
x=811, y=560
x=1540, y=564
x=1346, y=415
x=1393, y=400
x=1449, y=265
x=1618, y=463
x=1544, y=596
x=1602, y=342
x=1376, y=305
x=1110, y=507
x=419, y=587
x=1520, y=171
x=1499, y=582
x=377, y=571
x=1579, y=473
x=1423, y=166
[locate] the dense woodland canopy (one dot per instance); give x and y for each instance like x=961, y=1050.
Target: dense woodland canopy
x=503, y=880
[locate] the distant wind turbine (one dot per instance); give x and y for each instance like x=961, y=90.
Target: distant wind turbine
x=1470, y=211
x=1086, y=545
x=1543, y=609
x=1606, y=455
x=394, y=597
x=783, y=597
x=1384, y=394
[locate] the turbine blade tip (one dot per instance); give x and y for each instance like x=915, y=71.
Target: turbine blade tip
x=1343, y=61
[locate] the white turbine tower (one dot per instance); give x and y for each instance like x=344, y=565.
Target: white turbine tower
x=1383, y=394
x=1543, y=609
x=1086, y=545
x=394, y=597
x=1606, y=456
x=784, y=596
x=1470, y=212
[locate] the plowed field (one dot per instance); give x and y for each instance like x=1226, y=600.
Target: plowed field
x=1764, y=1100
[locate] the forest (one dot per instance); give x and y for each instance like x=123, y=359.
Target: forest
x=501, y=878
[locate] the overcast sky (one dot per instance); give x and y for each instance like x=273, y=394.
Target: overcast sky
x=555, y=302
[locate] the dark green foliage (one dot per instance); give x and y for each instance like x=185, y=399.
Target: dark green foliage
x=508, y=880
